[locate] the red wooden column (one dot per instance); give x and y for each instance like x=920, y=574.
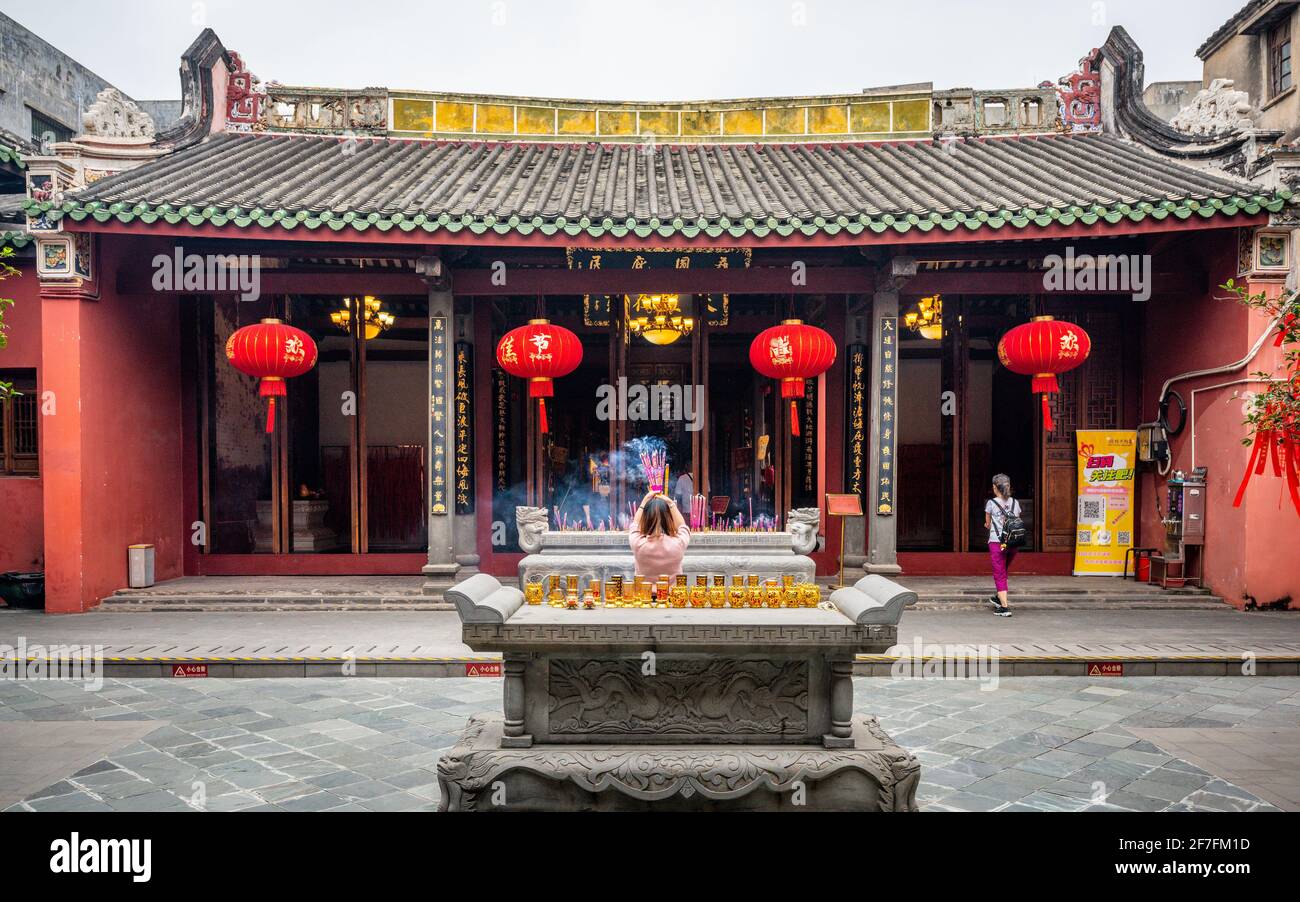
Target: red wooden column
x=111, y=449
x=61, y=449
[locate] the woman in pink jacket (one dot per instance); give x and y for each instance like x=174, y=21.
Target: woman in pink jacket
x=659, y=537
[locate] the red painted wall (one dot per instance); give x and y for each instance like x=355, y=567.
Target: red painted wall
x=111, y=459
x=1249, y=551
x=21, y=530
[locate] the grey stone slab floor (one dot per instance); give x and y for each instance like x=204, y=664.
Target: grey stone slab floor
x=437, y=633
x=1032, y=744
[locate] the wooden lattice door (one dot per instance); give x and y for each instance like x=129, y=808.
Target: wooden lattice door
x=1091, y=397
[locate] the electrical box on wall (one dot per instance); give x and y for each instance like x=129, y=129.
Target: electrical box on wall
x=1153, y=443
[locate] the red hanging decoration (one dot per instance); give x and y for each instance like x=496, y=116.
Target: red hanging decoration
x=271, y=351
x=792, y=352
x=1042, y=348
x=540, y=352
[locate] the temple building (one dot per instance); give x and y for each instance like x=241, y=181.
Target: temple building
x=407, y=232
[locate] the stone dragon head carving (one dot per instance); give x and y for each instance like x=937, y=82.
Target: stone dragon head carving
x=532, y=523
x=804, y=523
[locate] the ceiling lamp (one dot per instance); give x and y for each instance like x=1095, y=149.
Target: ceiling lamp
x=374, y=318
x=926, y=318
x=658, y=318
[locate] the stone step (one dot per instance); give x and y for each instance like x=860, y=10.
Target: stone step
x=1060, y=601
x=150, y=602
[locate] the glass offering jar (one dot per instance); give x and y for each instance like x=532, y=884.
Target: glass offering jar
x=717, y=593
x=678, y=595
x=736, y=593
x=699, y=595
x=812, y=595
x=772, y=595
x=595, y=587
x=556, y=596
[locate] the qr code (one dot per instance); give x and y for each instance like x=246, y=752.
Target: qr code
x=1125, y=537
x=1085, y=537
x=1092, y=510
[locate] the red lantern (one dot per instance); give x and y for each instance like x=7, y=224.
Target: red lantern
x=1042, y=348
x=271, y=351
x=792, y=352
x=539, y=352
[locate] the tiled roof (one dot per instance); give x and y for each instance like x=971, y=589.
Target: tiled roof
x=1228, y=28
x=660, y=190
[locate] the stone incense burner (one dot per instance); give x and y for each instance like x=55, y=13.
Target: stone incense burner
x=678, y=709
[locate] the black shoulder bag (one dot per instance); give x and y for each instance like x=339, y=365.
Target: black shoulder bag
x=1012, y=533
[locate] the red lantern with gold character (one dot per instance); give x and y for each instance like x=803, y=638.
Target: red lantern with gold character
x=1042, y=348
x=271, y=351
x=540, y=352
x=792, y=352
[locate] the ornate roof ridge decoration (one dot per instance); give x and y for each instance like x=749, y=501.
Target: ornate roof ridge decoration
x=1124, y=112
x=1216, y=111
x=195, y=121
x=114, y=115
x=11, y=156
x=698, y=192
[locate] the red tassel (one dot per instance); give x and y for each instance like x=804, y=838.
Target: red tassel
x=1293, y=470
x=1048, y=425
x=541, y=411
x=794, y=418
x=1258, y=455
x=270, y=415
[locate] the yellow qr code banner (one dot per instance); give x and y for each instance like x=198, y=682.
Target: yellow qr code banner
x=1104, y=517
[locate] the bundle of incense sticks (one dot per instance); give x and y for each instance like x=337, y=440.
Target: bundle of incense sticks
x=655, y=464
x=699, y=511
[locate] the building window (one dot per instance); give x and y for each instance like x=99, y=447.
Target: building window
x=995, y=113
x=18, y=425
x=1279, y=59
x=1031, y=112
x=46, y=131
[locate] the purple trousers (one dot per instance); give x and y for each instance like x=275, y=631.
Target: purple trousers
x=1001, y=562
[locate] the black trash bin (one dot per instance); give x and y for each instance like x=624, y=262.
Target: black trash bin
x=23, y=590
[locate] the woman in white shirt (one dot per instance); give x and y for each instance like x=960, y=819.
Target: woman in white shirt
x=997, y=510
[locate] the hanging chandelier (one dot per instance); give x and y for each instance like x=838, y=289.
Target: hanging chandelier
x=373, y=317
x=658, y=318
x=926, y=317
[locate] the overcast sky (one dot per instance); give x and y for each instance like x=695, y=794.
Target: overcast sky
x=617, y=49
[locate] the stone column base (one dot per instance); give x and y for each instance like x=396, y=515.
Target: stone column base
x=438, y=578
x=478, y=774
x=882, y=569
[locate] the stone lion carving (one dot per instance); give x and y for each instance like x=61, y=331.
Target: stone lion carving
x=532, y=523
x=113, y=116
x=1218, y=109
x=804, y=522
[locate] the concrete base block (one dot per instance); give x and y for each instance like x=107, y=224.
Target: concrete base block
x=477, y=774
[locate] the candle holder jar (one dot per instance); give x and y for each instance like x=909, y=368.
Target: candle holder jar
x=555, y=597
x=736, y=593
x=717, y=593
x=534, y=592
x=595, y=588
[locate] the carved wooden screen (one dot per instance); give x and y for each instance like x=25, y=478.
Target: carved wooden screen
x=1091, y=397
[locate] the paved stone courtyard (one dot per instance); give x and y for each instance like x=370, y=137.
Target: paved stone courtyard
x=1040, y=743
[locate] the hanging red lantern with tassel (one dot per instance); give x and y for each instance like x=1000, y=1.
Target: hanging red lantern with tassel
x=1042, y=348
x=271, y=351
x=540, y=352
x=792, y=352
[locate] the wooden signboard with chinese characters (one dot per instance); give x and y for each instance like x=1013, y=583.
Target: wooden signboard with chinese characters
x=715, y=309
x=855, y=460
x=464, y=401
x=439, y=423
x=884, y=435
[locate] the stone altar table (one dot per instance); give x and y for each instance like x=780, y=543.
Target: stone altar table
x=676, y=709
x=601, y=554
